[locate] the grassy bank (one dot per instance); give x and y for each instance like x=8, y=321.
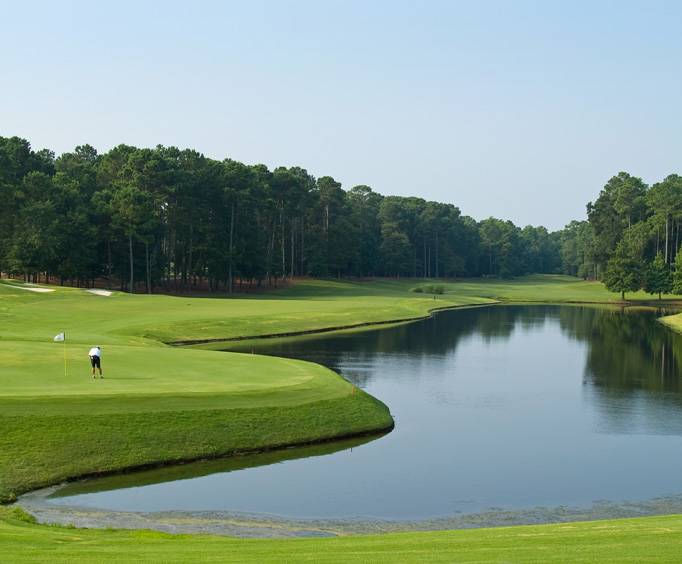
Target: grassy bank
x=650, y=539
x=673, y=321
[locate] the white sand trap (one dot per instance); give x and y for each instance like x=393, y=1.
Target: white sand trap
x=41, y=290
x=99, y=292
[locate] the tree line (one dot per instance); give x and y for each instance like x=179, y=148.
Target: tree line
x=147, y=219
x=631, y=237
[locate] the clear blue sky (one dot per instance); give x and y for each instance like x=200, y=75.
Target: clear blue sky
x=520, y=110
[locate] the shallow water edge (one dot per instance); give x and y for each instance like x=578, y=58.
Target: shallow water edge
x=248, y=525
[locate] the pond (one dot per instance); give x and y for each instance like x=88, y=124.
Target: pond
x=496, y=408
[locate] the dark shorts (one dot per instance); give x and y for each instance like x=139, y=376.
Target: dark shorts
x=94, y=360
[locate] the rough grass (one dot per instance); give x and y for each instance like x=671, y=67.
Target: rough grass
x=650, y=539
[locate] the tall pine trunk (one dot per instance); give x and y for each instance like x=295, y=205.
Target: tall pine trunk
x=188, y=264
x=130, y=254
x=291, y=273
x=284, y=258
x=437, y=271
x=271, y=250
x=666, y=239
x=109, y=265
x=230, y=275
x=302, y=246
x=148, y=265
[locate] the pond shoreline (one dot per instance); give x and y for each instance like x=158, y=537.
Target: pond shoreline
x=374, y=433
x=256, y=525
x=430, y=313
x=322, y=330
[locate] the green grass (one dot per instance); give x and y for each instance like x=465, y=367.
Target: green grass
x=308, y=305
x=673, y=321
x=38, y=450
x=160, y=404
x=650, y=539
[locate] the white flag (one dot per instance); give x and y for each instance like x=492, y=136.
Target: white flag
x=60, y=337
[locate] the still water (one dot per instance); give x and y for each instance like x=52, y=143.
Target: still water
x=507, y=407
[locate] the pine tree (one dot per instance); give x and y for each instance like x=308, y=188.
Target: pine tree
x=677, y=275
x=623, y=272
x=658, y=277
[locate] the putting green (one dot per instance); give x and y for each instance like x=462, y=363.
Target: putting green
x=36, y=370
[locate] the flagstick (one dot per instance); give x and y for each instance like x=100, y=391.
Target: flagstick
x=64, y=341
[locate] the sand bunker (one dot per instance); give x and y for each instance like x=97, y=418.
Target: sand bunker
x=41, y=290
x=99, y=292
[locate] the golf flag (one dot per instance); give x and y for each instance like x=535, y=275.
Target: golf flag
x=61, y=338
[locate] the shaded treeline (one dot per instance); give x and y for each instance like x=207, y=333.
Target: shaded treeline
x=175, y=219
x=631, y=238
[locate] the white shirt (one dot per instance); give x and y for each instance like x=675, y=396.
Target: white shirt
x=95, y=351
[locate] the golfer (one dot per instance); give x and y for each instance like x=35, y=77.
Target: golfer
x=95, y=355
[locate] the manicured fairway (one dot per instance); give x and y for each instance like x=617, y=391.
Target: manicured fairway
x=308, y=305
x=650, y=539
x=242, y=380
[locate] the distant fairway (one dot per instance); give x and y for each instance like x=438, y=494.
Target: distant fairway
x=308, y=305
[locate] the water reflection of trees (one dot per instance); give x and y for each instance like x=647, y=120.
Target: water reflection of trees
x=631, y=368
x=354, y=354
x=628, y=349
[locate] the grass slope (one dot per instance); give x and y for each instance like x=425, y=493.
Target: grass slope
x=673, y=321
x=650, y=539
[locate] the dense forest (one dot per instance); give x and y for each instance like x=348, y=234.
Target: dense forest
x=631, y=237
x=174, y=220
